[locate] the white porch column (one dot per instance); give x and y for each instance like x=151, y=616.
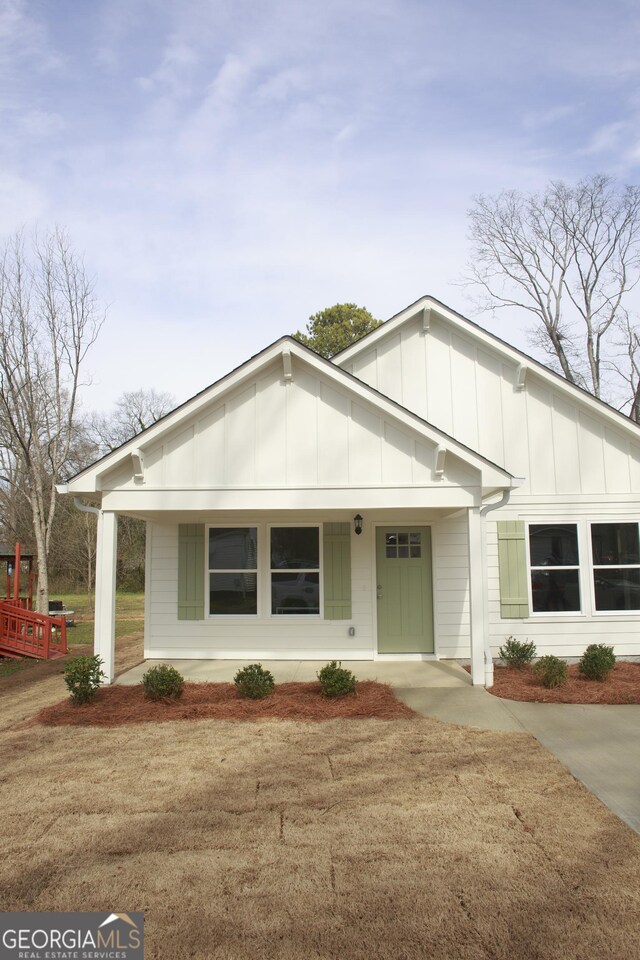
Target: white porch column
x=105, y=625
x=476, y=595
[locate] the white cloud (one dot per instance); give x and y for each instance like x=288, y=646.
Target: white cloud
x=274, y=158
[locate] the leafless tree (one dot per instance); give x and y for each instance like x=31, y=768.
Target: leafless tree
x=133, y=412
x=49, y=318
x=568, y=256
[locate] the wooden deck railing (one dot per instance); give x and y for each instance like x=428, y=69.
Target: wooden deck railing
x=31, y=634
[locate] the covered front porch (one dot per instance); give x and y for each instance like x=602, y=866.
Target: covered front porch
x=450, y=618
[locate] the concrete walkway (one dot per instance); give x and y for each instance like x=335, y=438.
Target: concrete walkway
x=599, y=745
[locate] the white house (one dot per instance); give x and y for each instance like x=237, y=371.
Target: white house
x=426, y=494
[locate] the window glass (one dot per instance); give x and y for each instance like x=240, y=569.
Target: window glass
x=295, y=548
x=295, y=570
x=616, y=566
x=295, y=593
x=233, y=548
x=403, y=546
x=555, y=573
x=233, y=571
x=555, y=590
x=553, y=545
x=233, y=593
x=617, y=588
x=614, y=543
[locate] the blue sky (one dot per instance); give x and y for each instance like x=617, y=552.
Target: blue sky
x=229, y=168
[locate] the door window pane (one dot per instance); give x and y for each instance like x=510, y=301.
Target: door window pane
x=403, y=546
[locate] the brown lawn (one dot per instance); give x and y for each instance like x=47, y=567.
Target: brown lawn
x=621, y=686
x=353, y=839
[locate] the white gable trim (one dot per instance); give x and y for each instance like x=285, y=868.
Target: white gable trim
x=524, y=364
x=283, y=351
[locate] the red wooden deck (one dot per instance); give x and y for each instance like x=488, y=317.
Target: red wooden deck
x=24, y=633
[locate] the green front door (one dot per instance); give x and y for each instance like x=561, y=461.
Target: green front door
x=404, y=590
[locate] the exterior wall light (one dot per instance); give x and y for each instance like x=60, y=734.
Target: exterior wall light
x=357, y=524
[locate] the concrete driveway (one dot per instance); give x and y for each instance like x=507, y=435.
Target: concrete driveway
x=599, y=745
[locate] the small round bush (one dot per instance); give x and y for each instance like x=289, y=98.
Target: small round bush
x=551, y=671
x=516, y=653
x=335, y=680
x=254, y=682
x=83, y=676
x=597, y=661
x=162, y=683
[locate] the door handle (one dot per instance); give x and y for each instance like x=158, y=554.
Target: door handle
x=379, y=595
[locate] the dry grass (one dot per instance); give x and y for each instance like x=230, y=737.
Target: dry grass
x=349, y=839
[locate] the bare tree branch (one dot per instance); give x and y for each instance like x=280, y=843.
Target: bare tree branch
x=49, y=318
x=569, y=257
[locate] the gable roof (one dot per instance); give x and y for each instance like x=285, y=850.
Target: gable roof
x=88, y=480
x=492, y=341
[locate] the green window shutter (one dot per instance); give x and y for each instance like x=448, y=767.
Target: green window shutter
x=337, y=571
x=512, y=563
x=191, y=571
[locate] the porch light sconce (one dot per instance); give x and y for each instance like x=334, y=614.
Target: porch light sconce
x=357, y=524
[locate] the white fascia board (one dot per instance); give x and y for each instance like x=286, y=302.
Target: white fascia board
x=524, y=364
x=356, y=499
x=89, y=480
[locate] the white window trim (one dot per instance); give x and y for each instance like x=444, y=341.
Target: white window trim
x=235, y=617
x=592, y=568
x=293, y=617
x=556, y=614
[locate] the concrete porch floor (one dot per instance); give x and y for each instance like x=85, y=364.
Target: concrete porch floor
x=599, y=745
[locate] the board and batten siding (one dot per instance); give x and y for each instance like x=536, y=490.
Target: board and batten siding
x=469, y=390
x=277, y=435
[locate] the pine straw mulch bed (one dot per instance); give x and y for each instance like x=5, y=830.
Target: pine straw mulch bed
x=622, y=686
x=115, y=706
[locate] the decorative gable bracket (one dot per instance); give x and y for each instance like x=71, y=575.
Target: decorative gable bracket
x=287, y=366
x=441, y=454
x=137, y=459
x=426, y=319
x=521, y=376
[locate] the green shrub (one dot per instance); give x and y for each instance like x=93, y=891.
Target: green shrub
x=335, y=680
x=254, y=682
x=551, y=671
x=597, y=661
x=162, y=683
x=517, y=654
x=83, y=676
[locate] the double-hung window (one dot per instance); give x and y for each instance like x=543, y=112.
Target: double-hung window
x=233, y=571
x=615, y=551
x=295, y=570
x=554, y=564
